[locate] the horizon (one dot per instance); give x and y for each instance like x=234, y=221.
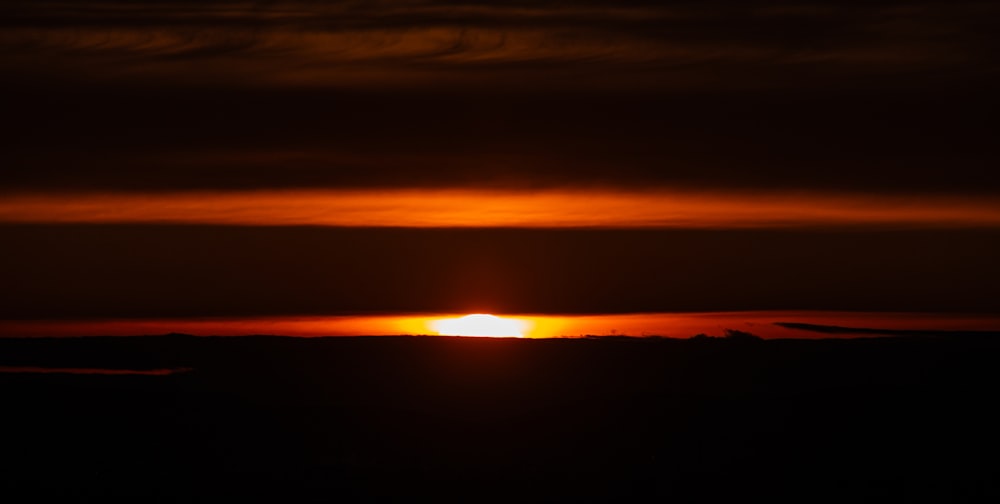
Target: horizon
x=764, y=324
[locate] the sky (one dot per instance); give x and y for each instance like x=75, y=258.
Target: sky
x=180, y=158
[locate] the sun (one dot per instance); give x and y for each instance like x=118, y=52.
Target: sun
x=480, y=324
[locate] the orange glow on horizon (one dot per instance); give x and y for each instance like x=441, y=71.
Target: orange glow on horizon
x=674, y=325
x=482, y=208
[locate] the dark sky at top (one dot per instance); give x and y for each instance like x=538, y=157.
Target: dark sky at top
x=865, y=96
x=873, y=98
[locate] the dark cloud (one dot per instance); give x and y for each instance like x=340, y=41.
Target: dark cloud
x=869, y=331
x=142, y=139
x=555, y=44
x=831, y=96
x=164, y=271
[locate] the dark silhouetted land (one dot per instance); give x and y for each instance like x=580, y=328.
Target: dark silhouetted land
x=271, y=419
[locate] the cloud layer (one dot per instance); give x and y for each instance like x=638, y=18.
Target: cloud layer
x=880, y=97
x=552, y=44
x=502, y=209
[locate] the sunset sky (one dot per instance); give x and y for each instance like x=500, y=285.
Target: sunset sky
x=165, y=160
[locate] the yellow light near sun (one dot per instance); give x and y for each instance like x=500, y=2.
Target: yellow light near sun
x=480, y=324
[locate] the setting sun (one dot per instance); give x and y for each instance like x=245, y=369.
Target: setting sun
x=480, y=324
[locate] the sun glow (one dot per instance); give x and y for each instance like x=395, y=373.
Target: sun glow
x=480, y=324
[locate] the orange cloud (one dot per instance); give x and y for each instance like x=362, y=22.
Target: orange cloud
x=467, y=208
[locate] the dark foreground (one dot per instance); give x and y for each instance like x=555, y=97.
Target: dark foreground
x=271, y=419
